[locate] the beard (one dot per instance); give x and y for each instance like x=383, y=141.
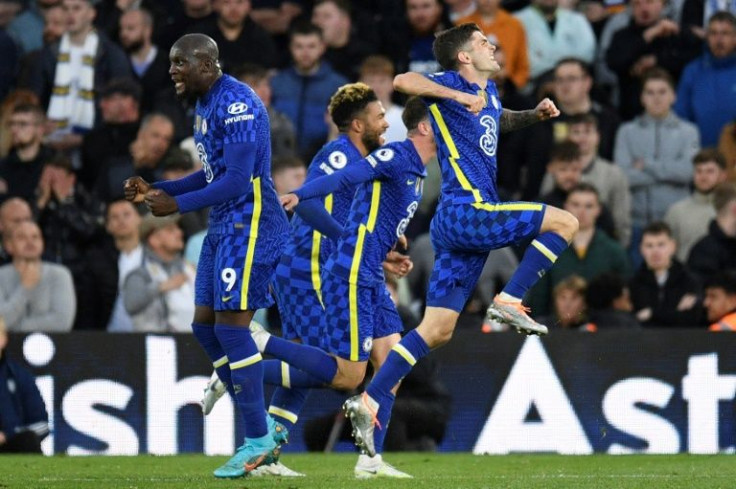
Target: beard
x=371, y=141
x=134, y=46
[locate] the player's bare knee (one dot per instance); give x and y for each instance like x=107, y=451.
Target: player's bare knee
x=561, y=222
x=570, y=226
x=347, y=381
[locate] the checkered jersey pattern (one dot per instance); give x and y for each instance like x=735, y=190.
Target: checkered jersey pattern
x=232, y=113
x=466, y=142
x=296, y=263
x=301, y=312
x=379, y=214
x=348, y=332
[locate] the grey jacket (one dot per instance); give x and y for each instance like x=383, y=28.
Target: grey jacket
x=689, y=220
x=666, y=148
x=49, y=307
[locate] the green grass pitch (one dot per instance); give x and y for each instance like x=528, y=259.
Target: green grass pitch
x=446, y=471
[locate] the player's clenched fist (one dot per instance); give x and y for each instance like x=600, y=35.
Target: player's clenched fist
x=474, y=103
x=546, y=109
x=135, y=189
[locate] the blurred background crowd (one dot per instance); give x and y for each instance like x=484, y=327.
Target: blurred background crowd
x=643, y=154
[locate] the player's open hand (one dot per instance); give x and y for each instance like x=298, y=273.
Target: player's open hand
x=289, y=201
x=135, y=189
x=397, y=264
x=160, y=203
x=474, y=103
x=546, y=109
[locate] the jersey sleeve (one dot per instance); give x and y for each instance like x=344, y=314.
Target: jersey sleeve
x=239, y=115
x=449, y=79
x=358, y=172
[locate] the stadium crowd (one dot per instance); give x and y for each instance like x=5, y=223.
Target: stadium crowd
x=643, y=153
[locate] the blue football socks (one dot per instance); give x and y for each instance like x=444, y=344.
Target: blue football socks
x=538, y=258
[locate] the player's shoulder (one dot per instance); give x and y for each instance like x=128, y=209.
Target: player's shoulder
x=448, y=78
x=236, y=98
x=386, y=153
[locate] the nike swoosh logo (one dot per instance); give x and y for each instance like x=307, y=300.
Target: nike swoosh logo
x=411, y=182
x=226, y=298
x=255, y=464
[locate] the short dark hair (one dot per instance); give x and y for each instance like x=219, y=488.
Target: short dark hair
x=603, y=290
x=707, y=155
x=251, y=71
x=583, y=118
x=304, y=28
x=725, y=280
x=285, y=162
x=348, y=102
x=30, y=109
x=450, y=42
x=585, y=188
x=657, y=73
x=575, y=61
x=415, y=111
x=177, y=159
x=565, y=151
x=377, y=64
x=656, y=228
x=342, y=5
x=61, y=161
x=723, y=16
x=723, y=194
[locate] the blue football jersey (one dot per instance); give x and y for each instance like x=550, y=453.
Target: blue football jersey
x=466, y=142
x=307, y=249
x=380, y=212
x=232, y=113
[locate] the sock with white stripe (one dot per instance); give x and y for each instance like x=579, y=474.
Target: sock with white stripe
x=246, y=371
x=309, y=359
x=205, y=334
x=398, y=364
x=538, y=258
x=286, y=405
x=279, y=373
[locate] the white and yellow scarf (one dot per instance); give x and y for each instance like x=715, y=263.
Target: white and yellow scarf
x=73, y=106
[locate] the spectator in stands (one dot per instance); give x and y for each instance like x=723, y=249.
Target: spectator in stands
x=144, y=158
x=8, y=62
x=346, y=47
x=283, y=137
x=689, y=218
x=716, y=251
x=377, y=72
x=649, y=40
x=159, y=295
x=12, y=212
x=120, y=111
x=590, y=254
x=288, y=174
x=656, y=150
x=457, y=10
x=303, y=90
x=555, y=33
x=21, y=170
x=720, y=301
x=195, y=13
x=27, y=27
x=727, y=147
x=108, y=263
x=700, y=92
x=571, y=90
x=239, y=39
x=607, y=178
x=24, y=421
x=109, y=14
x=149, y=63
x=663, y=291
x=69, y=216
x=506, y=31
x=564, y=173
x=609, y=304
x=569, y=309
x=34, y=295
x=71, y=71
x=14, y=99
x=276, y=16
x=54, y=26
x=696, y=14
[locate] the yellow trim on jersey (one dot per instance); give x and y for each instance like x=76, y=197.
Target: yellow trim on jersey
x=316, y=243
x=375, y=202
x=255, y=218
x=508, y=206
x=406, y=354
x=454, y=155
x=545, y=251
x=246, y=361
x=285, y=377
x=220, y=361
x=283, y=413
x=355, y=268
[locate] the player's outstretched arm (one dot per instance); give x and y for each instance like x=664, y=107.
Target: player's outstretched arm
x=511, y=120
x=189, y=183
x=412, y=83
x=314, y=213
x=357, y=173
